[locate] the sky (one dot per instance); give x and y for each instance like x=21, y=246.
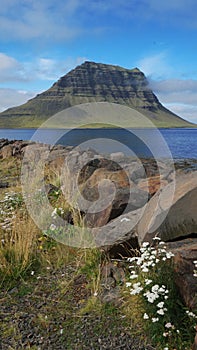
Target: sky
x=40, y=41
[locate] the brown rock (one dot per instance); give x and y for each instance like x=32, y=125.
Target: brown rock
x=171, y=212
x=7, y=151
x=195, y=341
x=185, y=253
x=118, y=232
x=99, y=218
x=152, y=184
x=118, y=177
x=112, y=275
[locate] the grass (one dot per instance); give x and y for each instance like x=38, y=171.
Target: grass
x=59, y=287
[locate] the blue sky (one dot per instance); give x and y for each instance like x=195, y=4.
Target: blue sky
x=42, y=40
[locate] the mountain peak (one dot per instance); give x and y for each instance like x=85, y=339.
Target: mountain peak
x=93, y=82
x=108, y=66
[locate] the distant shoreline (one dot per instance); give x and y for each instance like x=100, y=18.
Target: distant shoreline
x=95, y=128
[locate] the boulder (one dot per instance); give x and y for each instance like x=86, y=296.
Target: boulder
x=119, y=177
x=117, y=156
x=171, y=212
x=101, y=188
x=97, y=219
x=112, y=192
x=118, y=234
x=185, y=252
x=135, y=170
x=7, y=151
x=152, y=184
x=112, y=276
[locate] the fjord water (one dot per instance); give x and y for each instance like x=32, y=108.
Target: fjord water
x=181, y=142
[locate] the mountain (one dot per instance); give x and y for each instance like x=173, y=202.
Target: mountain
x=93, y=82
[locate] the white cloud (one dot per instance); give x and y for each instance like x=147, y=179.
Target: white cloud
x=187, y=112
x=41, y=68
x=156, y=66
x=176, y=90
x=38, y=19
x=51, y=69
x=178, y=95
x=10, y=69
x=12, y=97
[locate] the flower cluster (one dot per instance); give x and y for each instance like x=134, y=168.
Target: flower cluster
x=143, y=265
x=9, y=204
x=57, y=212
x=151, y=279
x=195, y=268
x=145, y=281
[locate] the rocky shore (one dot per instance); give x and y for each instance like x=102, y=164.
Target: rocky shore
x=144, y=198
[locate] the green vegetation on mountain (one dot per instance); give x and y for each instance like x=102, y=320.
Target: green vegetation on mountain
x=93, y=82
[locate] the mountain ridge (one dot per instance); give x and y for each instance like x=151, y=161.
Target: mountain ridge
x=93, y=82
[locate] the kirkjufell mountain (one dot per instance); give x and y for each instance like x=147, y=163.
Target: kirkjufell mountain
x=93, y=82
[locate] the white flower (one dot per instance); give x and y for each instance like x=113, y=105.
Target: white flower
x=145, y=269
x=191, y=314
x=154, y=252
x=128, y=284
x=136, y=288
x=162, y=289
x=155, y=288
x=165, y=334
x=145, y=244
x=136, y=291
x=168, y=325
x=169, y=255
x=52, y=227
x=160, y=305
x=155, y=319
x=151, y=297
x=32, y=273
x=147, y=281
x=132, y=259
x=156, y=238
x=133, y=276
x=61, y=331
x=160, y=312
x=145, y=317
x=136, y=285
x=166, y=348
x=61, y=211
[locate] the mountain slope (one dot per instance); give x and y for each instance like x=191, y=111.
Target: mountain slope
x=93, y=82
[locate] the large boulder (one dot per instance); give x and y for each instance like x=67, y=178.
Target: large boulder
x=185, y=253
x=119, y=234
x=100, y=188
x=171, y=212
x=7, y=151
